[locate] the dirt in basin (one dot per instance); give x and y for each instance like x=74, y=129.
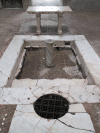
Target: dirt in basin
x=34, y=66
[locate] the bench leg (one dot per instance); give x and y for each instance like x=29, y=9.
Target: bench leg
x=38, y=18
x=60, y=17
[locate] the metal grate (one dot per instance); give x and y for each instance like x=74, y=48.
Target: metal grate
x=51, y=106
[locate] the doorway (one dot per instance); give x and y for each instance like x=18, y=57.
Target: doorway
x=12, y=3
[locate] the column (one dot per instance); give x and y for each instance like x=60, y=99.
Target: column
x=60, y=17
x=38, y=18
x=49, y=53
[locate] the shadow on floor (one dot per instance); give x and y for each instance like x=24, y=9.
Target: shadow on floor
x=51, y=30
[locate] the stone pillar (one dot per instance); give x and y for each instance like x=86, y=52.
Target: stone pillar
x=38, y=18
x=60, y=17
x=49, y=53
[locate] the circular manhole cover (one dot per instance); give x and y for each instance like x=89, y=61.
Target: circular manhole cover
x=51, y=106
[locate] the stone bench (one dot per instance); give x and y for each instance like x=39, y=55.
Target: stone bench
x=38, y=10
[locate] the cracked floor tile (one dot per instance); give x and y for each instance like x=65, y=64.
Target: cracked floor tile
x=25, y=119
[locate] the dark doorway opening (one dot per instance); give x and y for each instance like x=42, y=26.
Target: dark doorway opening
x=11, y=3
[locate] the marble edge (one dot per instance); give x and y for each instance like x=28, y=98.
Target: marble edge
x=79, y=37
x=42, y=37
x=6, y=77
x=28, y=38
x=58, y=9
x=91, y=70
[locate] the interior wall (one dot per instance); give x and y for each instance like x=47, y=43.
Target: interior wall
x=74, y=4
x=26, y=3
x=82, y=4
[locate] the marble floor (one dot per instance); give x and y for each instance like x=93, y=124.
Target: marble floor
x=16, y=105
x=21, y=94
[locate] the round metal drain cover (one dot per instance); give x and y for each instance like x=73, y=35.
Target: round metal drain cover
x=51, y=106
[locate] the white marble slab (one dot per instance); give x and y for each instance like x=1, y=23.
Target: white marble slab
x=60, y=127
x=24, y=83
x=79, y=37
x=76, y=108
x=89, y=59
x=10, y=60
x=16, y=96
x=46, y=37
x=9, y=57
x=79, y=120
x=26, y=120
x=89, y=94
x=48, y=9
x=48, y=83
x=55, y=37
x=3, y=80
x=74, y=94
x=43, y=44
x=58, y=38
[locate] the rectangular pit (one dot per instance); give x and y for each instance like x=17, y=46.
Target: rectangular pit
x=34, y=65
x=12, y=60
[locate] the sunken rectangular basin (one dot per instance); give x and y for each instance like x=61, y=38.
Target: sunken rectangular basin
x=12, y=60
x=65, y=64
